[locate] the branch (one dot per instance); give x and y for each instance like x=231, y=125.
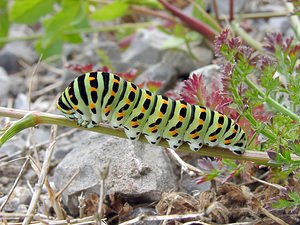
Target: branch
x=33, y=118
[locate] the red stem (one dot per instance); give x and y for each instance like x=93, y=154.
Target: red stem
x=231, y=10
x=193, y=23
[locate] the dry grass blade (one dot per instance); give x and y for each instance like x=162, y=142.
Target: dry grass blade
x=161, y=218
x=42, y=178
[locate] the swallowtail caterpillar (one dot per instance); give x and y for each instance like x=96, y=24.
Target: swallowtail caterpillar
x=99, y=96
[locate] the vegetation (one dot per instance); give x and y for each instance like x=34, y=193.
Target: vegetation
x=259, y=85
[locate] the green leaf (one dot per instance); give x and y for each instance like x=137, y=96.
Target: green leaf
x=54, y=47
x=148, y=3
x=110, y=11
x=200, y=14
x=59, y=27
x=72, y=38
x=4, y=22
x=29, y=11
x=69, y=13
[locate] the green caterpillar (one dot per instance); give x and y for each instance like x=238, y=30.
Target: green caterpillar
x=100, y=96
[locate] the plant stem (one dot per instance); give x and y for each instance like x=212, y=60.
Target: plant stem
x=271, y=102
x=246, y=37
x=81, y=31
x=47, y=118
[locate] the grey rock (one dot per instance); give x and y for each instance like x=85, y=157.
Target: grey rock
x=136, y=169
x=21, y=101
x=4, y=84
x=211, y=74
x=9, y=62
x=145, y=49
x=176, y=62
x=21, y=195
x=106, y=52
x=21, y=49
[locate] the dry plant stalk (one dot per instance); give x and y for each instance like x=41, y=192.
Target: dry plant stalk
x=42, y=178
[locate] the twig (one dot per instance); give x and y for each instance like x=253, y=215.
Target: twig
x=185, y=166
x=15, y=183
x=206, y=15
x=81, y=204
x=272, y=217
x=160, y=218
x=277, y=186
x=41, y=179
x=293, y=18
x=35, y=118
x=58, y=194
x=103, y=173
x=147, y=11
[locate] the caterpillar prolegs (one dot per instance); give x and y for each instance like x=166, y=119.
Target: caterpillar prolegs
x=100, y=96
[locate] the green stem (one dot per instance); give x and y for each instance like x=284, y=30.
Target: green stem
x=271, y=102
x=47, y=118
x=81, y=31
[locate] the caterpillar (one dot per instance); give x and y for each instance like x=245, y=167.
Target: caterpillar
x=100, y=96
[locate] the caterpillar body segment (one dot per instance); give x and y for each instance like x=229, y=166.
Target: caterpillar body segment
x=195, y=133
x=157, y=122
x=99, y=96
x=136, y=121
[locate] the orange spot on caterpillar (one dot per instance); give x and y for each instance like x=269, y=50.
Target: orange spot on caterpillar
x=143, y=109
x=128, y=101
x=116, y=81
x=173, y=132
x=164, y=101
x=75, y=107
x=195, y=135
x=160, y=115
x=180, y=118
x=227, y=142
x=153, y=128
x=92, y=106
x=120, y=114
x=148, y=96
x=133, y=90
x=212, y=138
x=200, y=122
x=113, y=93
x=93, y=89
x=183, y=105
x=219, y=125
x=91, y=78
x=134, y=123
x=107, y=109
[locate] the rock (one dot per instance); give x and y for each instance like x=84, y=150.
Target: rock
x=145, y=49
x=9, y=62
x=106, y=52
x=211, y=73
x=21, y=195
x=4, y=84
x=136, y=169
x=21, y=49
x=21, y=101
